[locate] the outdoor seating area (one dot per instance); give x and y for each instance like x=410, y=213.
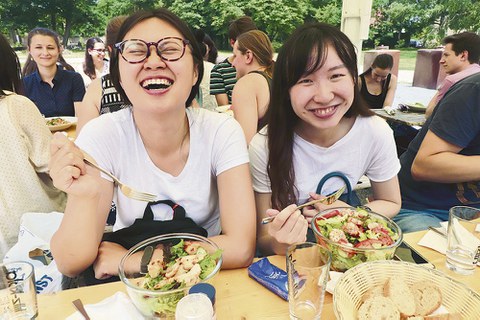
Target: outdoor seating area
x=218, y=160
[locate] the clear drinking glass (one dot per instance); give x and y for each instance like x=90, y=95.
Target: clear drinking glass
x=308, y=266
x=463, y=249
x=18, y=297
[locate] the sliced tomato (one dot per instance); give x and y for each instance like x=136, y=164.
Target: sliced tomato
x=367, y=243
x=385, y=239
x=331, y=214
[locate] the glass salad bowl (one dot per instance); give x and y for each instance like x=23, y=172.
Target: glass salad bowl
x=354, y=235
x=179, y=261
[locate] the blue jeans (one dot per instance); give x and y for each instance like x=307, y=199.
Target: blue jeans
x=415, y=220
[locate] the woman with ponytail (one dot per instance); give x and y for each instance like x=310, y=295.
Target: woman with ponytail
x=253, y=60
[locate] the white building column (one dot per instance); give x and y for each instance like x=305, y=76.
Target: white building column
x=356, y=21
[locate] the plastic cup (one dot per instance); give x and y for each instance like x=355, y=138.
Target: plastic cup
x=195, y=306
x=463, y=248
x=308, y=265
x=18, y=298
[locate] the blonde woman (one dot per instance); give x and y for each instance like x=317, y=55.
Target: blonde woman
x=253, y=60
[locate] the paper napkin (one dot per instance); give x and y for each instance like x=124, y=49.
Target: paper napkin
x=118, y=307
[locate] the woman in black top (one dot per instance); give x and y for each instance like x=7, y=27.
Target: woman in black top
x=377, y=84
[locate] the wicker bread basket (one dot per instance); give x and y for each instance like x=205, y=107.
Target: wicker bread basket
x=456, y=297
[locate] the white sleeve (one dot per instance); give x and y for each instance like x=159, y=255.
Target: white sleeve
x=230, y=147
x=384, y=164
x=258, y=162
x=97, y=140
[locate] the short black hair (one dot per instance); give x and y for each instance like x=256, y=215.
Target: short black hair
x=465, y=41
x=239, y=26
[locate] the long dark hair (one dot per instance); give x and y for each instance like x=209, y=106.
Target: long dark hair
x=88, y=66
x=30, y=66
x=303, y=53
x=9, y=69
x=177, y=23
x=212, y=49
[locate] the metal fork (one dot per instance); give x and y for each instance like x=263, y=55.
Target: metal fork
x=126, y=190
x=328, y=200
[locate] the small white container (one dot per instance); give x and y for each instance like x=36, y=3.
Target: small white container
x=195, y=306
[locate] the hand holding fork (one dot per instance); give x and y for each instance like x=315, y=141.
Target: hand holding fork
x=327, y=200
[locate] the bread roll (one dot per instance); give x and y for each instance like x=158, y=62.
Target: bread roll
x=401, y=295
x=428, y=297
x=378, y=308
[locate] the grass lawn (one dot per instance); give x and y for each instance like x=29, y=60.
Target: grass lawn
x=408, y=56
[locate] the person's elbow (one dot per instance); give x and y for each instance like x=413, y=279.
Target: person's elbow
x=420, y=170
x=245, y=256
x=70, y=263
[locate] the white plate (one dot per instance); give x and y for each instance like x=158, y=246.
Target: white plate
x=416, y=107
x=71, y=121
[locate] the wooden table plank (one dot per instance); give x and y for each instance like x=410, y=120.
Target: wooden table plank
x=238, y=296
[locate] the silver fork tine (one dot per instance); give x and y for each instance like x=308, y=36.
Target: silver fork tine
x=328, y=200
x=143, y=196
x=126, y=190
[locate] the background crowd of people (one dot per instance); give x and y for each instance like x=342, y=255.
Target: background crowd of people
x=148, y=117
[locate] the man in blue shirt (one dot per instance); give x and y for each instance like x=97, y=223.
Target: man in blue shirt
x=60, y=99
x=440, y=168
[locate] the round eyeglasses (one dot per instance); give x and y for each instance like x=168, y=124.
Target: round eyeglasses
x=136, y=50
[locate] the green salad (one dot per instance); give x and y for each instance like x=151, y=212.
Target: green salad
x=354, y=235
x=181, y=266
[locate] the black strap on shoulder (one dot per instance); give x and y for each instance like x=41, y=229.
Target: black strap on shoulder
x=178, y=210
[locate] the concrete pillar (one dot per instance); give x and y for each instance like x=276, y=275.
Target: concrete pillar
x=356, y=21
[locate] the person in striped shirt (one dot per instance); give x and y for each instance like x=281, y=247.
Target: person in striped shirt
x=224, y=76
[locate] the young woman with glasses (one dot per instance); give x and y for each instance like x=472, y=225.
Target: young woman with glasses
x=192, y=156
x=95, y=63
x=378, y=84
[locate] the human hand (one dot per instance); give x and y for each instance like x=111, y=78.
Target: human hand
x=108, y=259
x=67, y=169
x=310, y=211
x=289, y=225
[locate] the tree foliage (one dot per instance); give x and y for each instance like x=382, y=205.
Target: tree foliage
x=394, y=22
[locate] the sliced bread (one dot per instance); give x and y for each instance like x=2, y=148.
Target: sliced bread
x=428, y=297
x=378, y=308
x=444, y=316
x=401, y=294
x=373, y=291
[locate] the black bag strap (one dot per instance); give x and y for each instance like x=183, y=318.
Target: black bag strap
x=350, y=198
x=178, y=210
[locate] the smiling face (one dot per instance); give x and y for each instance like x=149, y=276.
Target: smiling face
x=451, y=62
x=44, y=50
x=154, y=83
x=98, y=51
x=322, y=98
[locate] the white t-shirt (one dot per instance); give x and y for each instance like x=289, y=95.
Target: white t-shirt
x=367, y=149
x=217, y=143
x=208, y=101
